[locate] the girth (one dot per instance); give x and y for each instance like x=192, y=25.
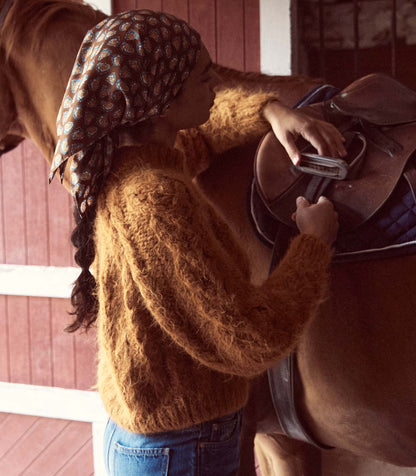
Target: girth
x=377, y=115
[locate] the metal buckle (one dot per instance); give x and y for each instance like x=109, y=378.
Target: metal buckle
x=331, y=167
x=323, y=166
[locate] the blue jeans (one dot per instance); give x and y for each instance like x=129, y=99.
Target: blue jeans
x=207, y=449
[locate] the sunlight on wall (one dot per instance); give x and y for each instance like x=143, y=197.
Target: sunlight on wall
x=103, y=5
x=275, y=41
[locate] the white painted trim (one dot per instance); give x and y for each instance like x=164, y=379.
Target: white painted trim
x=51, y=402
x=63, y=403
x=275, y=37
x=46, y=281
x=104, y=5
x=98, y=429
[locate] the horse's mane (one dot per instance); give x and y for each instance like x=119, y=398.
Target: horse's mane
x=34, y=16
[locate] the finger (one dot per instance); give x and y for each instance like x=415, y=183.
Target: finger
x=322, y=198
x=335, y=140
x=314, y=137
x=301, y=202
x=326, y=202
x=326, y=139
x=288, y=142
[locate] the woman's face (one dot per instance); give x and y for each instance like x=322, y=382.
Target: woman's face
x=191, y=107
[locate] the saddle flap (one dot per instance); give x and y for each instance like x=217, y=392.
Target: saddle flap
x=376, y=98
x=356, y=200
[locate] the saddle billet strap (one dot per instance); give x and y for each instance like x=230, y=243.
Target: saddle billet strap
x=379, y=139
x=316, y=188
x=281, y=243
x=282, y=377
x=4, y=11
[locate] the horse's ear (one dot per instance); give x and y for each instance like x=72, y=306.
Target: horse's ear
x=8, y=113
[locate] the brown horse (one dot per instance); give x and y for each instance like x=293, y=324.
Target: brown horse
x=357, y=360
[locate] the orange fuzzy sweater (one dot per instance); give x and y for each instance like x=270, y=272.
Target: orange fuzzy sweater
x=181, y=330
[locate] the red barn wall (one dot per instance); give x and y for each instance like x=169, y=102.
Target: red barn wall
x=36, y=218
x=229, y=29
x=36, y=223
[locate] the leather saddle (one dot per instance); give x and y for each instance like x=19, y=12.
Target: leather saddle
x=376, y=114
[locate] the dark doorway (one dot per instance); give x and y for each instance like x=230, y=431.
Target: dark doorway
x=341, y=40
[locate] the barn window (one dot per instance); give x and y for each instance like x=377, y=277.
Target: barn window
x=341, y=40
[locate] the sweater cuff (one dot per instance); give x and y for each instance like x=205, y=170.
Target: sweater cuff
x=310, y=252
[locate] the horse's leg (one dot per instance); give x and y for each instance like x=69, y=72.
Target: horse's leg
x=282, y=456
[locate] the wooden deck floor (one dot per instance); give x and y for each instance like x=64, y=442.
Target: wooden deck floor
x=33, y=446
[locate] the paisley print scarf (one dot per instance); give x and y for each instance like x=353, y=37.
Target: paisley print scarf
x=129, y=68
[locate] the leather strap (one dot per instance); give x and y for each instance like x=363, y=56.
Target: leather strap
x=410, y=176
x=281, y=243
x=379, y=139
x=283, y=376
x=4, y=11
x=282, y=382
x=316, y=188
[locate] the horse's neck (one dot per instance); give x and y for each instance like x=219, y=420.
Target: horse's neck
x=38, y=80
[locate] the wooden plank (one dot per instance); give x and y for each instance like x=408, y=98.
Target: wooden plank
x=63, y=348
x=252, y=35
x=59, y=204
x=230, y=30
x=65, y=447
x=13, y=207
x=3, y=417
x=230, y=33
x=12, y=429
x=36, y=183
x=30, y=445
x=178, y=8
x=40, y=341
x=81, y=463
x=2, y=217
x=149, y=4
x=85, y=359
x=19, y=342
x=202, y=16
x=123, y=5
x=4, y=341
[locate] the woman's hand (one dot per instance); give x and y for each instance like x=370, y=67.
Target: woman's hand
x=288, y=124
x=319, y=219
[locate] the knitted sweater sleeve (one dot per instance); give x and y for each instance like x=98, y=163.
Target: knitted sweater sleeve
x=196, y=290
x=236, y=119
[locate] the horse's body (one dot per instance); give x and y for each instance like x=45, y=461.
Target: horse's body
x=357, y=360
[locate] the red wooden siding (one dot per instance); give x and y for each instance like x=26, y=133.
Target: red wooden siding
x=36, y=218
x=35, y=350
x=32, y=446
x=229, y=29
x=35, y=226
x=36, y=223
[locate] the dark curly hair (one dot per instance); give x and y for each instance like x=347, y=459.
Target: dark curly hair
x=84, y=298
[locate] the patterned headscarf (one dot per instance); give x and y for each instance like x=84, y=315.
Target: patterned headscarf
x=129, y=68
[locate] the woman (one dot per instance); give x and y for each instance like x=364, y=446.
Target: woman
x=181, y=330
